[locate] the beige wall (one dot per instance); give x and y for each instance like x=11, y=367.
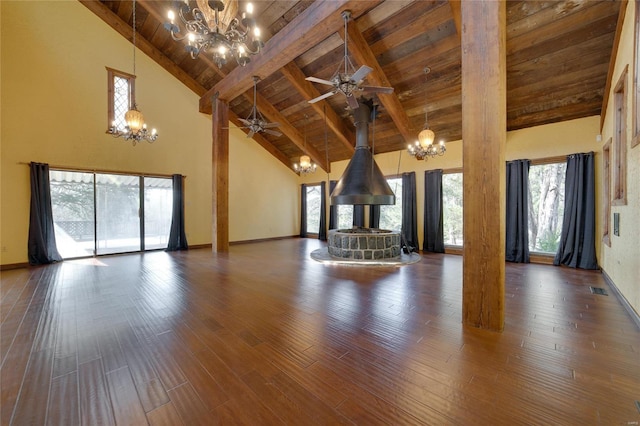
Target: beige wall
x=621, y=261
x=551, y=140
x=263, y=194
x=54, y=110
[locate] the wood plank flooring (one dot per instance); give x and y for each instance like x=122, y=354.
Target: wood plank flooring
x=266, y=335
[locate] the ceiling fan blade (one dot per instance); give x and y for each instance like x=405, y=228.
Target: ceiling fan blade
x=352, y=101
x=250, y=134
x=360, y=74
x=269, y=125
x=376, y=89
x=321, y=97
x=247, y=122
x=272, y=132
x=319, y=80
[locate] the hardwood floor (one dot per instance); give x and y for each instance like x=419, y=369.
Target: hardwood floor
x=265, y=335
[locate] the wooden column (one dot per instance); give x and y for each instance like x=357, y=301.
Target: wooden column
x=484, y=116
x=220, y=176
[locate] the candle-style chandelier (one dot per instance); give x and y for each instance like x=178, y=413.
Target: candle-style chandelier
x=136, y=129
x=304, y=165
x=424, y=147
x=212, y=27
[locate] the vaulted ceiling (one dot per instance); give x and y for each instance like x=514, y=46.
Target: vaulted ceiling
x=558, y=55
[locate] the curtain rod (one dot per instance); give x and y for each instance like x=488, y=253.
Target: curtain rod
x=113, y=172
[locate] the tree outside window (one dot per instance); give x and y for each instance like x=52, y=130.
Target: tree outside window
x=546, y=206
x=452, y=208
x=313, y=209
x=391, y=215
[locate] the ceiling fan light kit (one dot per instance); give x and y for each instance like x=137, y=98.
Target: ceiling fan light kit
x=255, y=122
x=347, y=80
x=213, y=27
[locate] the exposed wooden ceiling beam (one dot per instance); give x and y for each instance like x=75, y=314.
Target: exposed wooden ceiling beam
x=361, y=51
x=152, y=7
x=263, y=105
x=104, y=13
x=296, y=77
x=125, y=30
x=457, y=16
x=272, y=114
x=315, y=24
x=262, y=141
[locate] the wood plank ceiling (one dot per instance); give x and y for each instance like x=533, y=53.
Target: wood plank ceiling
x=558, y=55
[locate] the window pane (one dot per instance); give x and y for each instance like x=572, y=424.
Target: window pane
x=345, y=216
x=546, y=206
x=158, y=208
x=313, y=209
x=391, y=216
x=121, y=100
x=117, y=207
x=72, y=205
x=452, y=208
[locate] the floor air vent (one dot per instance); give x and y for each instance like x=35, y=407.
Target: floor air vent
x=598, y=290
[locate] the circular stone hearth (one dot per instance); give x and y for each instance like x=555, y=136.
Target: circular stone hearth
x=322, y=255
x=363, y=244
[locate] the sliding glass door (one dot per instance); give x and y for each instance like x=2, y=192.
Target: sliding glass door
x=158, y=205
x=101, y=213
x=117, y=213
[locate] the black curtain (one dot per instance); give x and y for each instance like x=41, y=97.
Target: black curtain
x=409, y=212
x=333, y=209
x=517, y=216
x=358, y=215
x=303, y=211
x=322, y=232
x=374, y=216
x=41, y=246
x=577, y=242
x=177, y=236
x=433, y=240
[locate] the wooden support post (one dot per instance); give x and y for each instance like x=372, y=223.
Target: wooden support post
x=220, y=176
x=484, y=116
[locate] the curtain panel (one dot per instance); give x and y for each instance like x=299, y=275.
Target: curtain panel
x=303, y=211
x=433, y=238
x=577, y=247
x=517, y=214
x=322, y=232
x=41, y=246
x=177, y=235
x=409, y=212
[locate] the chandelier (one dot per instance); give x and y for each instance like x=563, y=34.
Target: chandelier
x=305, y=166
x=424, y=146
x=212, y=27
x=136, y=129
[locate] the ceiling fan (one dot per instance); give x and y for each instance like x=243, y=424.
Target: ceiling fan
x=255, y=122
x=348, y=82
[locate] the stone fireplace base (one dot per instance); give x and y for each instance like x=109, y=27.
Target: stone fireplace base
x=363, y=244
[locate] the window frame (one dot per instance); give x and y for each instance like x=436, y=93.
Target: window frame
x=619, y=193
x=538, y=256
x=635, y=104
x=387, y=178
x=450, y=248
x=606, y=192
x=308, y=185
x=95, y=173
x=111, y=74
